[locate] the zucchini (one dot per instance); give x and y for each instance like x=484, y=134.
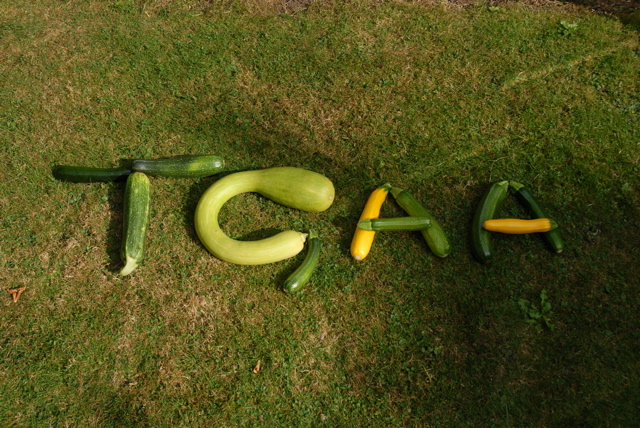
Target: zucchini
x=395, y=223
x=481, y=246
x=296, y=281
x=292, y=187
x=434, y=235
x=516, y=226
x=137, y=204
x=528, y=201
x=363, y=239
x=86, y=174
x=185, y=166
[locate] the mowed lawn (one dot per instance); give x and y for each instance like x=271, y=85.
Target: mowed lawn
x=437, y=99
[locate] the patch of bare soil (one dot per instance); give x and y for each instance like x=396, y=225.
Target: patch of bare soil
x=613, y=7
x=627, y=10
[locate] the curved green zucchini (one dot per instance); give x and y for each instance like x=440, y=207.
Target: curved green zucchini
x=297, y=280
x=528, y=201
x=434, y=235
x=185, y=166
x=481, y=246
x=395, y=223
x=137, y=204
x=292, y=187
x=86, y=174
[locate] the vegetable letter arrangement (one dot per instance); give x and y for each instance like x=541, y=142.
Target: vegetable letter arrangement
x=137, y=197
x=304, y=190
x=419, y=219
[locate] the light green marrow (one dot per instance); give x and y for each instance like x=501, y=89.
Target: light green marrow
x=292, y=187
x=137, y=204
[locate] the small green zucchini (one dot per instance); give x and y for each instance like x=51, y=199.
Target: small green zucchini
x=528, y=201
x=137, y=204
x=481, y=245
x=292, y=187
x=434, y=235
x=395, y=223
x=297, y=280
x=185, y=166
x=85, y=174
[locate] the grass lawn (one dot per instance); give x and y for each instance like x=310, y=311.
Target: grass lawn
x=437, y=99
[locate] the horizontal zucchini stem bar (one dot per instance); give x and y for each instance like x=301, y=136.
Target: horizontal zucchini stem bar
x=395, y=223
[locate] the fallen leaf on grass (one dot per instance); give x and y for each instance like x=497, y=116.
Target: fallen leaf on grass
x=256, y=369
x=16, y=292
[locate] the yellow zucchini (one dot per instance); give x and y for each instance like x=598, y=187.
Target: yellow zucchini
x=363, y=239
x=516, y=226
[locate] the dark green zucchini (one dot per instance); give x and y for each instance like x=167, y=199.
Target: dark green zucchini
x=481, y=246
x=434, y=235
x=528, y=201
x=301, y=275
x=186, y=166
x=395, y=223
x=137, y=206
x=85, y=174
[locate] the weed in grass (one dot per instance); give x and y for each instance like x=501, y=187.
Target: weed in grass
x=538, y=315
x=567, y=28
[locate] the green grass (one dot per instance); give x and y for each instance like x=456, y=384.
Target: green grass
x=436, y=99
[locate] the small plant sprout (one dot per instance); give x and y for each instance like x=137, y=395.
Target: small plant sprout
x=567, y=28
x=538, y=315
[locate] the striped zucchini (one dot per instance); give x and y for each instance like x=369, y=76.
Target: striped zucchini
x=527, y=200
x=292, y=187
x=516, y=226
x=363, y=239
x=434, y=235
x=481, y=245
x=85, y=174
x=395, y=223
x=137, y=204
x=185, y=166
x=297, y=280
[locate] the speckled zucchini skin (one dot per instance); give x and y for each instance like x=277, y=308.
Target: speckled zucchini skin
x=186, y=166
x=137, y=207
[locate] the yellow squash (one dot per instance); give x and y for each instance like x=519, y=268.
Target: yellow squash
x=363, y=239
x=516, y=226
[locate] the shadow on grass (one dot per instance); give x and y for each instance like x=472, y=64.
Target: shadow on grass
x=114, y=229
x=628, y=11
x=123, y=409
